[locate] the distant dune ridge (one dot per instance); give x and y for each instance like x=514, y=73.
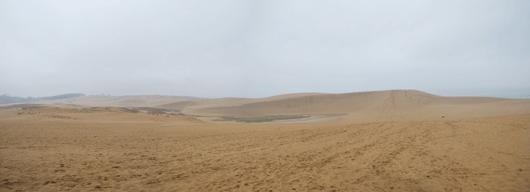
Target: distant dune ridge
x=358, y=106
x=369, y=106
x=5, y=99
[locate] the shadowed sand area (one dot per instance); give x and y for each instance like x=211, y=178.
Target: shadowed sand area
x=382, y=141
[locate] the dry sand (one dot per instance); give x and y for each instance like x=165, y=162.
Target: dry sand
x=387, y=142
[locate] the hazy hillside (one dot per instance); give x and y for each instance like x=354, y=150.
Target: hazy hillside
x=377, y=105
x=5, y=99
x=352, y=107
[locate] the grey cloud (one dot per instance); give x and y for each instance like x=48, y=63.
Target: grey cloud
x=260, y=48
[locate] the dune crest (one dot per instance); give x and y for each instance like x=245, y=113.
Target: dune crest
x=389, y=105
x=375, y=106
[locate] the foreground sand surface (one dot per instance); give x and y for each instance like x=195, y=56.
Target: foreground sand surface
x=112, y=149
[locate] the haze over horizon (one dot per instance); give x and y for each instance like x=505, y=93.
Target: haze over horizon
x=263, y=48
x=521, y=93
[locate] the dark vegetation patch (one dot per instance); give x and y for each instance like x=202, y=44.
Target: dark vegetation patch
x=97, y=109
x=49, y=109
x=262, y=118
x=154, y=111
x=129, y=110
x=149, y=110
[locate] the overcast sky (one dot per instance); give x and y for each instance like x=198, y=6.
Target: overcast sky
x=245, y=48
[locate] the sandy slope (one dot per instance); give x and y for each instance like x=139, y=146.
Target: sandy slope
x=360, y=106
x=377, y=106
x=168, y=102
x=388, y=142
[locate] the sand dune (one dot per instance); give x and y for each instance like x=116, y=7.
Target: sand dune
x=381, y=105
x=388, y=141
x=359, y=107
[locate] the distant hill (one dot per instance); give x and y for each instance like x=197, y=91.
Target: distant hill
x=63, y=96
x=363, y=106
x=5, y=99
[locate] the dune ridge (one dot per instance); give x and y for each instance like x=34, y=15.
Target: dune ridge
x=380, y=105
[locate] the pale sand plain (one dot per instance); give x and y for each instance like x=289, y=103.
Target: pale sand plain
x=387, y=141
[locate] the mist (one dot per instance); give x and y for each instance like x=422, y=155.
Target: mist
x=262, y=48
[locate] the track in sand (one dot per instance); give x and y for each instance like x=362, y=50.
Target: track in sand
x=387, y=142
